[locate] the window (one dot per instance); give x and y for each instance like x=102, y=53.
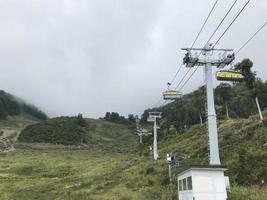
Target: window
x=180, y=185
x=184, y=184
x=189, y=183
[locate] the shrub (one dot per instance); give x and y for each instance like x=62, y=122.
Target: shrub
x=150, y=170
x=62, y=130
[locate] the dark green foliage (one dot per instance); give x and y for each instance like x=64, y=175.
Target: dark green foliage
x=180, y=114
x=199, y=102
x=223, y=94
x=131, y=118
x=250, y=168
x=9, y=105
x=239, y=195
x=150, y=170
x=245, y=67
x=199, y=99
x=165, y=180
x=80, y=121
x=115, y=117
x=185, y=111
x=33, y=111
x=62, y=130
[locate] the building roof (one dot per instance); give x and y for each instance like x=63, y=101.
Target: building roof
x=202, y=168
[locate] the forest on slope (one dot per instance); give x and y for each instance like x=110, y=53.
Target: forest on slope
x=235, y=100
x=13, y=106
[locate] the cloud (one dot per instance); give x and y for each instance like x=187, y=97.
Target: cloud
x=96, y=56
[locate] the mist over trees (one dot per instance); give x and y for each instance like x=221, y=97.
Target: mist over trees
x=12, y=106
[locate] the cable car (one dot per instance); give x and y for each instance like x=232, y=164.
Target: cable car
x=226, y=75
x=171, y=95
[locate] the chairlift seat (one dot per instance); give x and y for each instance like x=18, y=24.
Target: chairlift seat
x=226, y=75
x=171, y=95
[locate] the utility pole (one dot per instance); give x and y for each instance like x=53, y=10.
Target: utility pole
x=170, y=159
x=202, y=57
x=153, y=116
x=138, y=130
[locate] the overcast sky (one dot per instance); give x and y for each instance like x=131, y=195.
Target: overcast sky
x=93, y=56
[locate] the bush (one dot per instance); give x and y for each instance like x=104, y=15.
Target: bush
x=239, y=193
x=250, y=168
x=62, y=130
x=150, y=170
x=165, y=180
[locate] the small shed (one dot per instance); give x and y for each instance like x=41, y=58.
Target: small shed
x=202, y=183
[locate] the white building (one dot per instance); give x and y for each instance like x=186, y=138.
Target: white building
x=202, y=183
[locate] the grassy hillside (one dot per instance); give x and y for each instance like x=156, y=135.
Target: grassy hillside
x=111, y=137
x=115, y=166
x=10, y=129
x=243, y=148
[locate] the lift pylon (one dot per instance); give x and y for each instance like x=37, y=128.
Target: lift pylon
x=206, y=57
x=153, y=116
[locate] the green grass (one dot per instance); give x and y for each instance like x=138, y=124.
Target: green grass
x=13, y=126
x=115, y=166
x=79, y=174
x=53, y=173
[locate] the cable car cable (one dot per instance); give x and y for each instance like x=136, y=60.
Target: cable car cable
x=183, y=78
x=231, y=23
x=159, y=101
x=222, y=21
x=201, y=29
x=189, y=78
x=224, y=31
x=245, y=44
x=173, y=79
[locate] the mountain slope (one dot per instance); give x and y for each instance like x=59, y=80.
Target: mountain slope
x=115, y=166
x=243, y=148
x=13, y=106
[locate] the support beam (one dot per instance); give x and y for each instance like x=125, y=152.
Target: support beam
x=155, y=144
x=212, y=121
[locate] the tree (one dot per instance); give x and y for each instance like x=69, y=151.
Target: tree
x=223, y=92
x=114, y=116
x=199, y=102
x=131, y=118
x=245, y=67
x=107, y=116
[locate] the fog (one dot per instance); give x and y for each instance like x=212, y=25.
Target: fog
x=90, y=57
